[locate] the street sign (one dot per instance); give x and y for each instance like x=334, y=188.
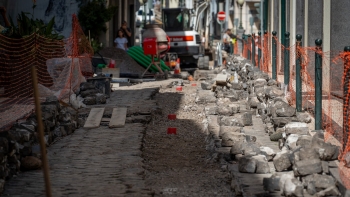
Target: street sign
x=221, y=16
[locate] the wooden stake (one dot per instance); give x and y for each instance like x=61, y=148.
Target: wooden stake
x=41, y=133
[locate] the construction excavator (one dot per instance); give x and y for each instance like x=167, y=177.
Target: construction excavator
x=184, y=26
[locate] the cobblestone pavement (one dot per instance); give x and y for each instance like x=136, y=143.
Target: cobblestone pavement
x=114, y=162
x=96, y=162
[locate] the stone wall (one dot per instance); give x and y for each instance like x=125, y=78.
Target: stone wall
x=20, y=149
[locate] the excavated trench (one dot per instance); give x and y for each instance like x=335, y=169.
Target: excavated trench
x=180, y=165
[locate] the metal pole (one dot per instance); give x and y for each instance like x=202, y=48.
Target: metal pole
x=149, y=15
x=144, y=14
x=227, y=12
x=248, y=47
x=240, y=18
x=286, y=59
x=253, y=49
x=283, y=21
x=221, y=32
x=259, y=48
x=318, y=85
x=219, y=52
x=243, y=44
x=266, y=11
x=41, y=132
x=274, y=55
x=298, y=85
x=345, y=95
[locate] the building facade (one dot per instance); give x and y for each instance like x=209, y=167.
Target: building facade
x=313, y=19
x=63, y=10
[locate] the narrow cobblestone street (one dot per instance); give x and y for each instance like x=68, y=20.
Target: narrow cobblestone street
x=97, y=162
x=174, y=98
x=115, y=162
x=222, y=145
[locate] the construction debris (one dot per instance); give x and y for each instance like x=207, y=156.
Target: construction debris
x=302, y=160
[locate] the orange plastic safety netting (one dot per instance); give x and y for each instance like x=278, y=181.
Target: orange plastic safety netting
x=259, y=50
x=249, y=48
x=340, y=95
x=17, y=57
x=245, y=49
x=331, y=75
x=279, y=59
x=70, y=71
x=266, y=61
x=335, y=88
x=255, y=40
x=301, y=55
x=235, y=48
x=59, y=64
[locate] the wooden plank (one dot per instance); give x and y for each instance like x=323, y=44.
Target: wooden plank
x=94, y=118
x=118, y=117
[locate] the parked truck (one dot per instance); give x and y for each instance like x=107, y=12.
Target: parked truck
x=182, y=26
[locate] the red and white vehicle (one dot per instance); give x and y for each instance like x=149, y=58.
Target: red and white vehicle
x=184, y=40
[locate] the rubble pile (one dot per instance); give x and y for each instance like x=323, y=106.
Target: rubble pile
x=88, y=94
x=20, y=149
x=237, y=94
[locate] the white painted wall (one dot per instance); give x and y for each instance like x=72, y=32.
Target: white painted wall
x=306, y=24
x=61, y=9
x=172, y=3
x=292, y=22
x=279, y=47
x=292, y=32
x=326, y=44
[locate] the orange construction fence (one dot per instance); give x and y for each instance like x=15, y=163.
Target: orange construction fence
x=335, y=88
x=61, y=66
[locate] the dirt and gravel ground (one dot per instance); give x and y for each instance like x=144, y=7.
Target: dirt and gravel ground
x=179, y=165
